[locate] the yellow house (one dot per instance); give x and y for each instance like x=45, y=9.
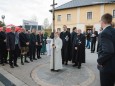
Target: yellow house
x=83, y=14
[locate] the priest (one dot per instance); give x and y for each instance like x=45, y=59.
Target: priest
x=65, y=36
x=79, y=49
x=56, y=60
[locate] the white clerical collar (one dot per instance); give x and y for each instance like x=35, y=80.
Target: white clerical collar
x=106, y=26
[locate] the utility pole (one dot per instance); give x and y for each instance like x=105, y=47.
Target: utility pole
x=53, y=12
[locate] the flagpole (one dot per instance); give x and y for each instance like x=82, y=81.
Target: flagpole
x=53, y=11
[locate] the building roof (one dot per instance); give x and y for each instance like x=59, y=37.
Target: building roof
x=82, y=3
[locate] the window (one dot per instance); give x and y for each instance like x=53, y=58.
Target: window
x=59, y=18
x=68, y=17
x=113, y=13
x=89, y=15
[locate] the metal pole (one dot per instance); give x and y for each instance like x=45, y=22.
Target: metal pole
x=53, y=32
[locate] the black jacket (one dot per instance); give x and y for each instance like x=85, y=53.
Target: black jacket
x=39, y=40
x=33, y=39
x=23, y=39
x=106, y=50
x=11, y=41
x=2, y=38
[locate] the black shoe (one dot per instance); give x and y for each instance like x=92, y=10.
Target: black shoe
x=22, y=63
x=11, y=66
x=62, y=62
x=35, y=59
x=79, y=67
x=27, y=61
x=56, y=70
x=16, y=65
x=52, y=69
x=39, y=57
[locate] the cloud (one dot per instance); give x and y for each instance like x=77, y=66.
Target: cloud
x=17, y=10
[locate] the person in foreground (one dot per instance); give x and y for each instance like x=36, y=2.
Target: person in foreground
x=56, y=61
x=106, y=52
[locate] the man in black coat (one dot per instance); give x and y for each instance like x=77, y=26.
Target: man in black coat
x=13, y=46
x=79, y=49
x=106, y=52
x=3, y=48
x=24, y=43
x=65, y=36
x=32, y=46
x=39, y=46
x=73, y=35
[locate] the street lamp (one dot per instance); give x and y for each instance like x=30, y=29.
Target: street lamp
x=53, y=12
x=3, y=17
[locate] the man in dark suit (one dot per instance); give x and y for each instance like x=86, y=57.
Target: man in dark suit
x=13, y=47
x=33, y=43
x=24, y=43
x=106, y=52
x=39, y=46
x=3, y=49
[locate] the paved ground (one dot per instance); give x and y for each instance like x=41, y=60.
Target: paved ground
x=40, y=67
x=1, y=84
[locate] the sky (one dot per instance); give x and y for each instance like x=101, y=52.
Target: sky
x=16, y=11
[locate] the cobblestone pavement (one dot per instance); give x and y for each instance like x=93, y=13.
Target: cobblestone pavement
x=40, y=67
x=69, y=76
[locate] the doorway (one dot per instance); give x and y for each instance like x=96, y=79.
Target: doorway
x=89, y=27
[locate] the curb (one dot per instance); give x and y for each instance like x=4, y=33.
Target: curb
x=11, y=78
x=40, y=82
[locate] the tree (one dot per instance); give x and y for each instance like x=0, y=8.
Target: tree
x=46, y=23
x=34, y=18
x=1, y=24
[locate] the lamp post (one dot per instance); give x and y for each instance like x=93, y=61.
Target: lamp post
x=53, y=12
x=3, y=17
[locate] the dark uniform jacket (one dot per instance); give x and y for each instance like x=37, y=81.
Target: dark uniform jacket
x=106, y=51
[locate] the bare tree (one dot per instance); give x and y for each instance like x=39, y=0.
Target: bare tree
x=34, y=18
x=46, y=23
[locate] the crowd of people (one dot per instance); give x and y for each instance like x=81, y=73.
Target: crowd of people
x=65, y=47
x=21, y=43
x=68, y=46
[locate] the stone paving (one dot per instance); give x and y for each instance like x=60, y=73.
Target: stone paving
x=69, y=76
x=37, y=73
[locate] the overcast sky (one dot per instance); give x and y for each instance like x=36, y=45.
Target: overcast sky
x=17, y=10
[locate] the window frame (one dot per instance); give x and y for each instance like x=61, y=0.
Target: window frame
x=113, y=13
x=68, y=17
x=59, y=18
x=89, y=17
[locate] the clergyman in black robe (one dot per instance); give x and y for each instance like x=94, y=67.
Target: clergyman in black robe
x=65, y=36
x=73, y=35
x=79, y=52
